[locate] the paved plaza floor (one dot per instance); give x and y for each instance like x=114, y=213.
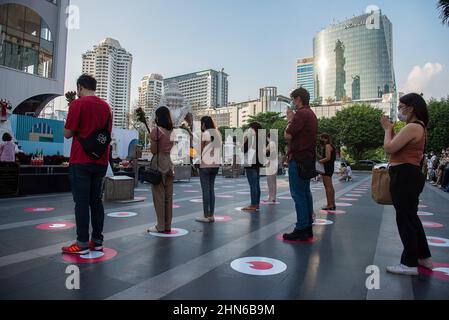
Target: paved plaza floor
x=240, y=256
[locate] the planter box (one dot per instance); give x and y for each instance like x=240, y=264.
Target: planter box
x=119, y=188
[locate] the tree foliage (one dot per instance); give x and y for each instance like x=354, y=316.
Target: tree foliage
x=438, y=125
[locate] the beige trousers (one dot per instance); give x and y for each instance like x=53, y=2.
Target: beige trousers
x=272, y=187
x=163, y=203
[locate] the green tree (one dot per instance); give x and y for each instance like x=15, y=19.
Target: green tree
x=443, y=7
x=359, y=129
x=329, y=126
x=438, y=125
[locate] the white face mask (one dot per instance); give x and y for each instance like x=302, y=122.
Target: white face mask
x=402, y=117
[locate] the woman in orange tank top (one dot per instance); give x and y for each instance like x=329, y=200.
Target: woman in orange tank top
x=407, y=181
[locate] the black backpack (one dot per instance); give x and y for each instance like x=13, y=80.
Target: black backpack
x=97, y=143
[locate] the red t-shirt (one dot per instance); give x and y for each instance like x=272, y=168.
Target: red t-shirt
x=86, y=115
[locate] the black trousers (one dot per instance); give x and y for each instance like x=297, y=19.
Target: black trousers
x=407, y=183
x=86, y=182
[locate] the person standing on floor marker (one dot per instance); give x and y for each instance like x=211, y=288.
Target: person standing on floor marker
x=330, y=155
x=301, y=133
x=407, y=181
x=272, y=169
x=86, y=116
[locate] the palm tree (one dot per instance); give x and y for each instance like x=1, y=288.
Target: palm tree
x=443, y=6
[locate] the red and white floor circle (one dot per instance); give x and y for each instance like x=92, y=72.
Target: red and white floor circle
x=91, y=257
x=222, y=218
x=259, y=266
x=56, y=226
x=122, y=214
x=175, y=233
x=440, y=271
x=322, y=222
x=430, y=224
x=333, y=212
x=425, y=214
x=280, y=237
x=438, y=242
x=36, y=210
x=176, y=206
x=343, y=204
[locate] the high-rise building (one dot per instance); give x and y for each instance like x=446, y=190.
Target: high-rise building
x=267, y=95
x=33, y=45
x=305, y=77
x=150, y=92
x=111, y=65
x=204, y=90
x=353, y=60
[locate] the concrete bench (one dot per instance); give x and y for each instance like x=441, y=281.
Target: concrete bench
x=119, y=188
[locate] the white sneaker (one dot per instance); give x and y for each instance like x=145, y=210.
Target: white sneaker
x=403, y=270
x=205, y=220
x=426, y=263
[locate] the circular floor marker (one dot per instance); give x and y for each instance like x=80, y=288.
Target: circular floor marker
x=348, y=199
x=343, y=204
x=285, y=198
x=197, y=200
x=259, y=266
x=176, y=206
x=421, y=206
x=35, y=210
x=56, y=226
x=122, y=214
x=430, y=224
x=191, y=191
x=440, y=271
x=334, y=212
x=92, y=257
x=224, y=196
x=266, y=203
x=223, y=218
x=322, y=222
x=173, y=234
x=438, y=242
x=425, y=214
x=280, y=237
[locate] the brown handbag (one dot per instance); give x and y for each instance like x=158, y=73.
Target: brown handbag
x=380, y=187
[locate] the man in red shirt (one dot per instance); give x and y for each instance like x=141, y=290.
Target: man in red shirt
x=302, y=134
x=86, y=115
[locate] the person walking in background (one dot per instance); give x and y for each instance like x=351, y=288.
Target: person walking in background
x=161, y=146
x=253, y=168
x=272, y=170
x=407, y=181
x=330, y=155
x=210, y=163
x=7, y=149
x=87, y=115
x=301, y=133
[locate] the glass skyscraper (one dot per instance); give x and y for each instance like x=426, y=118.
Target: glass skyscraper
x=305, y=76
x=354, y=59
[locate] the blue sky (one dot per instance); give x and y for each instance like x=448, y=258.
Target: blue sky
x=257, y=42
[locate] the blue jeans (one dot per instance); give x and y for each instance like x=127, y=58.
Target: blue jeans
x=302, y=196
x=86, y=181
x=253, y=176
x=207, y=179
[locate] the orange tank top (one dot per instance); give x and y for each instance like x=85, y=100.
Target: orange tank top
x=412, y=153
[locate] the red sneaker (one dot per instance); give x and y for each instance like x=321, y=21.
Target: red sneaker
x=95, y=246
x=75, y=249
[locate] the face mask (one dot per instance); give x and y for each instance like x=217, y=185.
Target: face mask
x=402, y=117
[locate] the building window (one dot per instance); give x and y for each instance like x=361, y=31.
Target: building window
x=26, y=42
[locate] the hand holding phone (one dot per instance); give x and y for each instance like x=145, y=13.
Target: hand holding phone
x=70, y=96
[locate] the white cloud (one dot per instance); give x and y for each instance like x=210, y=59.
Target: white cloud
x=427, y=80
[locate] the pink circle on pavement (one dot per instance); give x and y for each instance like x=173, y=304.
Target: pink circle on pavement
x=56, y=226
x=223, y=218
x=34, y=210
x=92, y=257
x=197, y=200
x=280, y=237
x=430, y=224
x=421, y=206
x=334, y=212
x=425, y=214
x=224, y=196
x=122, y=214
x=176, y=206
x=438, y=242
x=440, y=271
x=266, y=203
x=191, y=191
x=342, y=204
x=348, y=199
x=322, y=222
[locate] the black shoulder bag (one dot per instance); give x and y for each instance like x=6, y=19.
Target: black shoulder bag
x=150, y=175
x=97, y=143
x=307, y=168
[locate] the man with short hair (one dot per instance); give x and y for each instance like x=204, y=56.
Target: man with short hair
x=302, y=134
x=87, y=115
